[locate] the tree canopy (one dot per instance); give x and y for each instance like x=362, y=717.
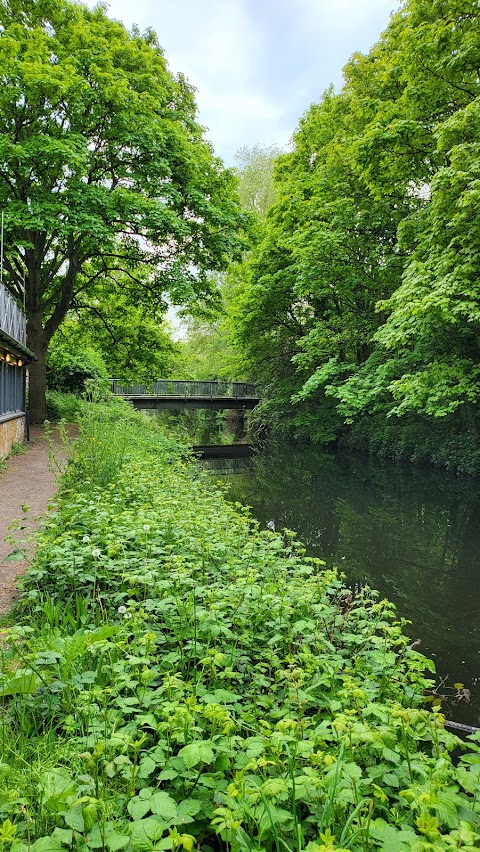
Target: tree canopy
x=103, y=168
x=255, y=166
x=361, y=299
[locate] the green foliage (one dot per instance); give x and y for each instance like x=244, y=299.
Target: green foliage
x=320, y=269
x=362, y=298
x=70, y=369
x=63, y=406
x=17, y=449
x=104, y=169
x=255, y=168
x=203, y=426
x=445, y=442
x=210, y=349
x=129, y=333
x=178, y=678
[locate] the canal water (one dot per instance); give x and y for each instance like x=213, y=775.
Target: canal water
x=411, y=532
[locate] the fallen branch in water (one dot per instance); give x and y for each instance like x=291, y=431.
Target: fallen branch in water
x=459, y=726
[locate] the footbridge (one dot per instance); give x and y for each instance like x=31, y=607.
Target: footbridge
x=179, y=394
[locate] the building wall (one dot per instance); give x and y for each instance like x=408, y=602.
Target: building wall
x=11, y=431
x=12, y=388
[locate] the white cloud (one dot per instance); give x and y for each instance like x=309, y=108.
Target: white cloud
x=257, y=64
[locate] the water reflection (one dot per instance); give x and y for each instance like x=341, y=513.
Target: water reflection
x=412, y=533
x=230, y=467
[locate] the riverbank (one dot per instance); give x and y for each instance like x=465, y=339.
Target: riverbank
x=410, y=532
x=178, y=678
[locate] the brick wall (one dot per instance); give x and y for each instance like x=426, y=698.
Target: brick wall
x=11, y=431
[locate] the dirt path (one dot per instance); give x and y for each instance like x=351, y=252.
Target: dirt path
x=27, y=481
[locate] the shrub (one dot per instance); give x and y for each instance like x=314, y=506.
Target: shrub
x=63, y=406
x=73, y=370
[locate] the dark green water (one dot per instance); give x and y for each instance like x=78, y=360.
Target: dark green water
x=412, y=533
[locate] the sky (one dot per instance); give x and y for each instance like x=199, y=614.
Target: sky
x=257, y=65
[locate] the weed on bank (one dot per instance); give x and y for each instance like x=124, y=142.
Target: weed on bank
x=179, y=679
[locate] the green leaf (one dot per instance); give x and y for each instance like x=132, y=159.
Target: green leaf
x=187, y=810
x=27, y=683
x=390, y=755
x=146, y=833
x=220, y=696
x=47, y=844
x=195, y=753
x=64, y=835
x=163, y=805
x=95, y=839
x=106, y=835
x=113, y=839
x=138, y=807
x=392, y=839
x=274, y=787
x=74, y=818
x=272, y=816
x=147, y=766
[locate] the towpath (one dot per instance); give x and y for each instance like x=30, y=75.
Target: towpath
x=28, y=480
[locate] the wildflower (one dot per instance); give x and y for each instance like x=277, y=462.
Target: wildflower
x=146, y=527
x=128, y=615
x=122, y=610
x=85, y=539
x=96, y=552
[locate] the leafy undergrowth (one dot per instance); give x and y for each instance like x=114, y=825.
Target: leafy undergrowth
x=179, y=679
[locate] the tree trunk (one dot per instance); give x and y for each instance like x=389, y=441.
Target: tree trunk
x=37, y=385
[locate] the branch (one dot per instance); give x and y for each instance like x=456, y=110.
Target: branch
x=102, y=319
x=9, y=183
x=16, y=288
x=445, y=79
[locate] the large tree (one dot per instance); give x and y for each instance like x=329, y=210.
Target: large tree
x=306, y=315
x=362, y=300
x=103, y=168
x=426, y=140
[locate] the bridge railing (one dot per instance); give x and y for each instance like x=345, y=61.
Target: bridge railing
x=172, y=387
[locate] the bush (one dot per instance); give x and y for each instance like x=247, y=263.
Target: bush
x=63, y=406
x=446, y=442
x=72, y=370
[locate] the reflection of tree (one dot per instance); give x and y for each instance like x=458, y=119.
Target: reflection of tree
x=410, y=533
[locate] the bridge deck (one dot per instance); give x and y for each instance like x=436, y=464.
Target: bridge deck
x=149, y=401
x=173, y=393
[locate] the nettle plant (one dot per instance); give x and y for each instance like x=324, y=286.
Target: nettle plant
x=180, y=679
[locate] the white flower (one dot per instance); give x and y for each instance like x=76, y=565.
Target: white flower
x=96, y=552
x=128, y=615
x=122, y=610
x=146, y=527
x=85, y=539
